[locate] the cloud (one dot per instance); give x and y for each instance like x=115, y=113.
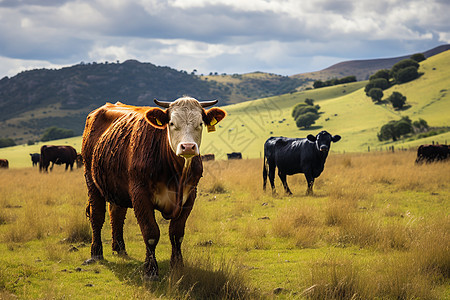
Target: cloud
x=287, y=36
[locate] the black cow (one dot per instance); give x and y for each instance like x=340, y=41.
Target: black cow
x=234, y=155
x=298, y=155
x=35, y=157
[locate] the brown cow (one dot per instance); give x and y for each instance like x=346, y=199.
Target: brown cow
x=144, y=158
x=57, y=155
x=4, y=164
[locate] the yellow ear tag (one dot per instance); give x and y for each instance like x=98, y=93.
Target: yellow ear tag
x=210, y=127
x=158, y=122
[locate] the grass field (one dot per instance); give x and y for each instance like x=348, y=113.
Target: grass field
x=377, y=227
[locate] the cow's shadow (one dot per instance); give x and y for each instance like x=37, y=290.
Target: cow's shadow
x=192, y=281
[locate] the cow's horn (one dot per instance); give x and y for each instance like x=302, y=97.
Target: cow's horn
x=164, y=104
x=208, y=103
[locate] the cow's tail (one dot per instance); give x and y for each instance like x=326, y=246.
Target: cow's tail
x=264, y=172
x=88, y=210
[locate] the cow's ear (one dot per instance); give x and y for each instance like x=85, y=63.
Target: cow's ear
x=213, y=116
x=311, y=138
x=157, y=117
x=336, y=138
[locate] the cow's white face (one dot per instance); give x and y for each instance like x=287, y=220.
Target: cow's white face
x=185, y=128
x=184, y=120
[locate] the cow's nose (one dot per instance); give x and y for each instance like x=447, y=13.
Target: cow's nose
x=323, y=148
x=187, y=150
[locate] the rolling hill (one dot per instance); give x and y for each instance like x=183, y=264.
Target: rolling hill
x=362, y=69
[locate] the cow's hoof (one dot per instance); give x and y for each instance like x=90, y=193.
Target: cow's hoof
x=92, y=260
x=151, y=278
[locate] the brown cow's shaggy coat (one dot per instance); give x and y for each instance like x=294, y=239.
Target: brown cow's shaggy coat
x=130, y=164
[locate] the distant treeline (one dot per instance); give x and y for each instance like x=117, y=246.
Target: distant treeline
x=6, y=142
x=334, y=81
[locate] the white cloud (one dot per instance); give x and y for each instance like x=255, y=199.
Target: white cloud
x=219, y=35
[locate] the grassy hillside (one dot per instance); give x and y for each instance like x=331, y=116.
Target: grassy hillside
x=347, y=111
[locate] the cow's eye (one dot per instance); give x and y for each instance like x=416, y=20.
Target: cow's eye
x=171, y=124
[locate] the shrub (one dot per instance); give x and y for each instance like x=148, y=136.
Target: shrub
x=306, y=120
x=407, y=74
x=380, y=83
x=397, y=100
x=402, y=65
x=418, y=57
x=376, y=94
x=380, y=74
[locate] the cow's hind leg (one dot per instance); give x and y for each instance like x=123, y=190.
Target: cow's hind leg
x=284, y=181
x=272, y=177
x=117, y=216
x=96, y=210
x=145, y=216
x=264, y=173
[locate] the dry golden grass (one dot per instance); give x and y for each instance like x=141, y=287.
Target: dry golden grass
x=376, y=227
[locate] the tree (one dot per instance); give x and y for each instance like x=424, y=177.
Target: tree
x=387, y=132
x=407, y=74
x=395, y=129
x=380, y=83
x=376, y=94
x=418, y=57
x=397, y=100
x=305, y=114
x=7, y=142
x=318, y=84
x=380, y=74
x=402, y=65
x=421, y=125
x=55, y=133
x=306, y=120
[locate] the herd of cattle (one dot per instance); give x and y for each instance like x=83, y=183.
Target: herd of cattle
x=149, y=159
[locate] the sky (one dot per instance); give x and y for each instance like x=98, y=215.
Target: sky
x=284, y=37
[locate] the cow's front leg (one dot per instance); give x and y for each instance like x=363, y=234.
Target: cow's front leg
x=117, y=216
x=310, y=182
x=176, y=235
x=145, y=215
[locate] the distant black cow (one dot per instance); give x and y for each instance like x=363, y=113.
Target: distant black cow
x=234, y=155
x=431, y=153
x=209, y=156
x=35, y=157
x=57, y=155
x=298, y=155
